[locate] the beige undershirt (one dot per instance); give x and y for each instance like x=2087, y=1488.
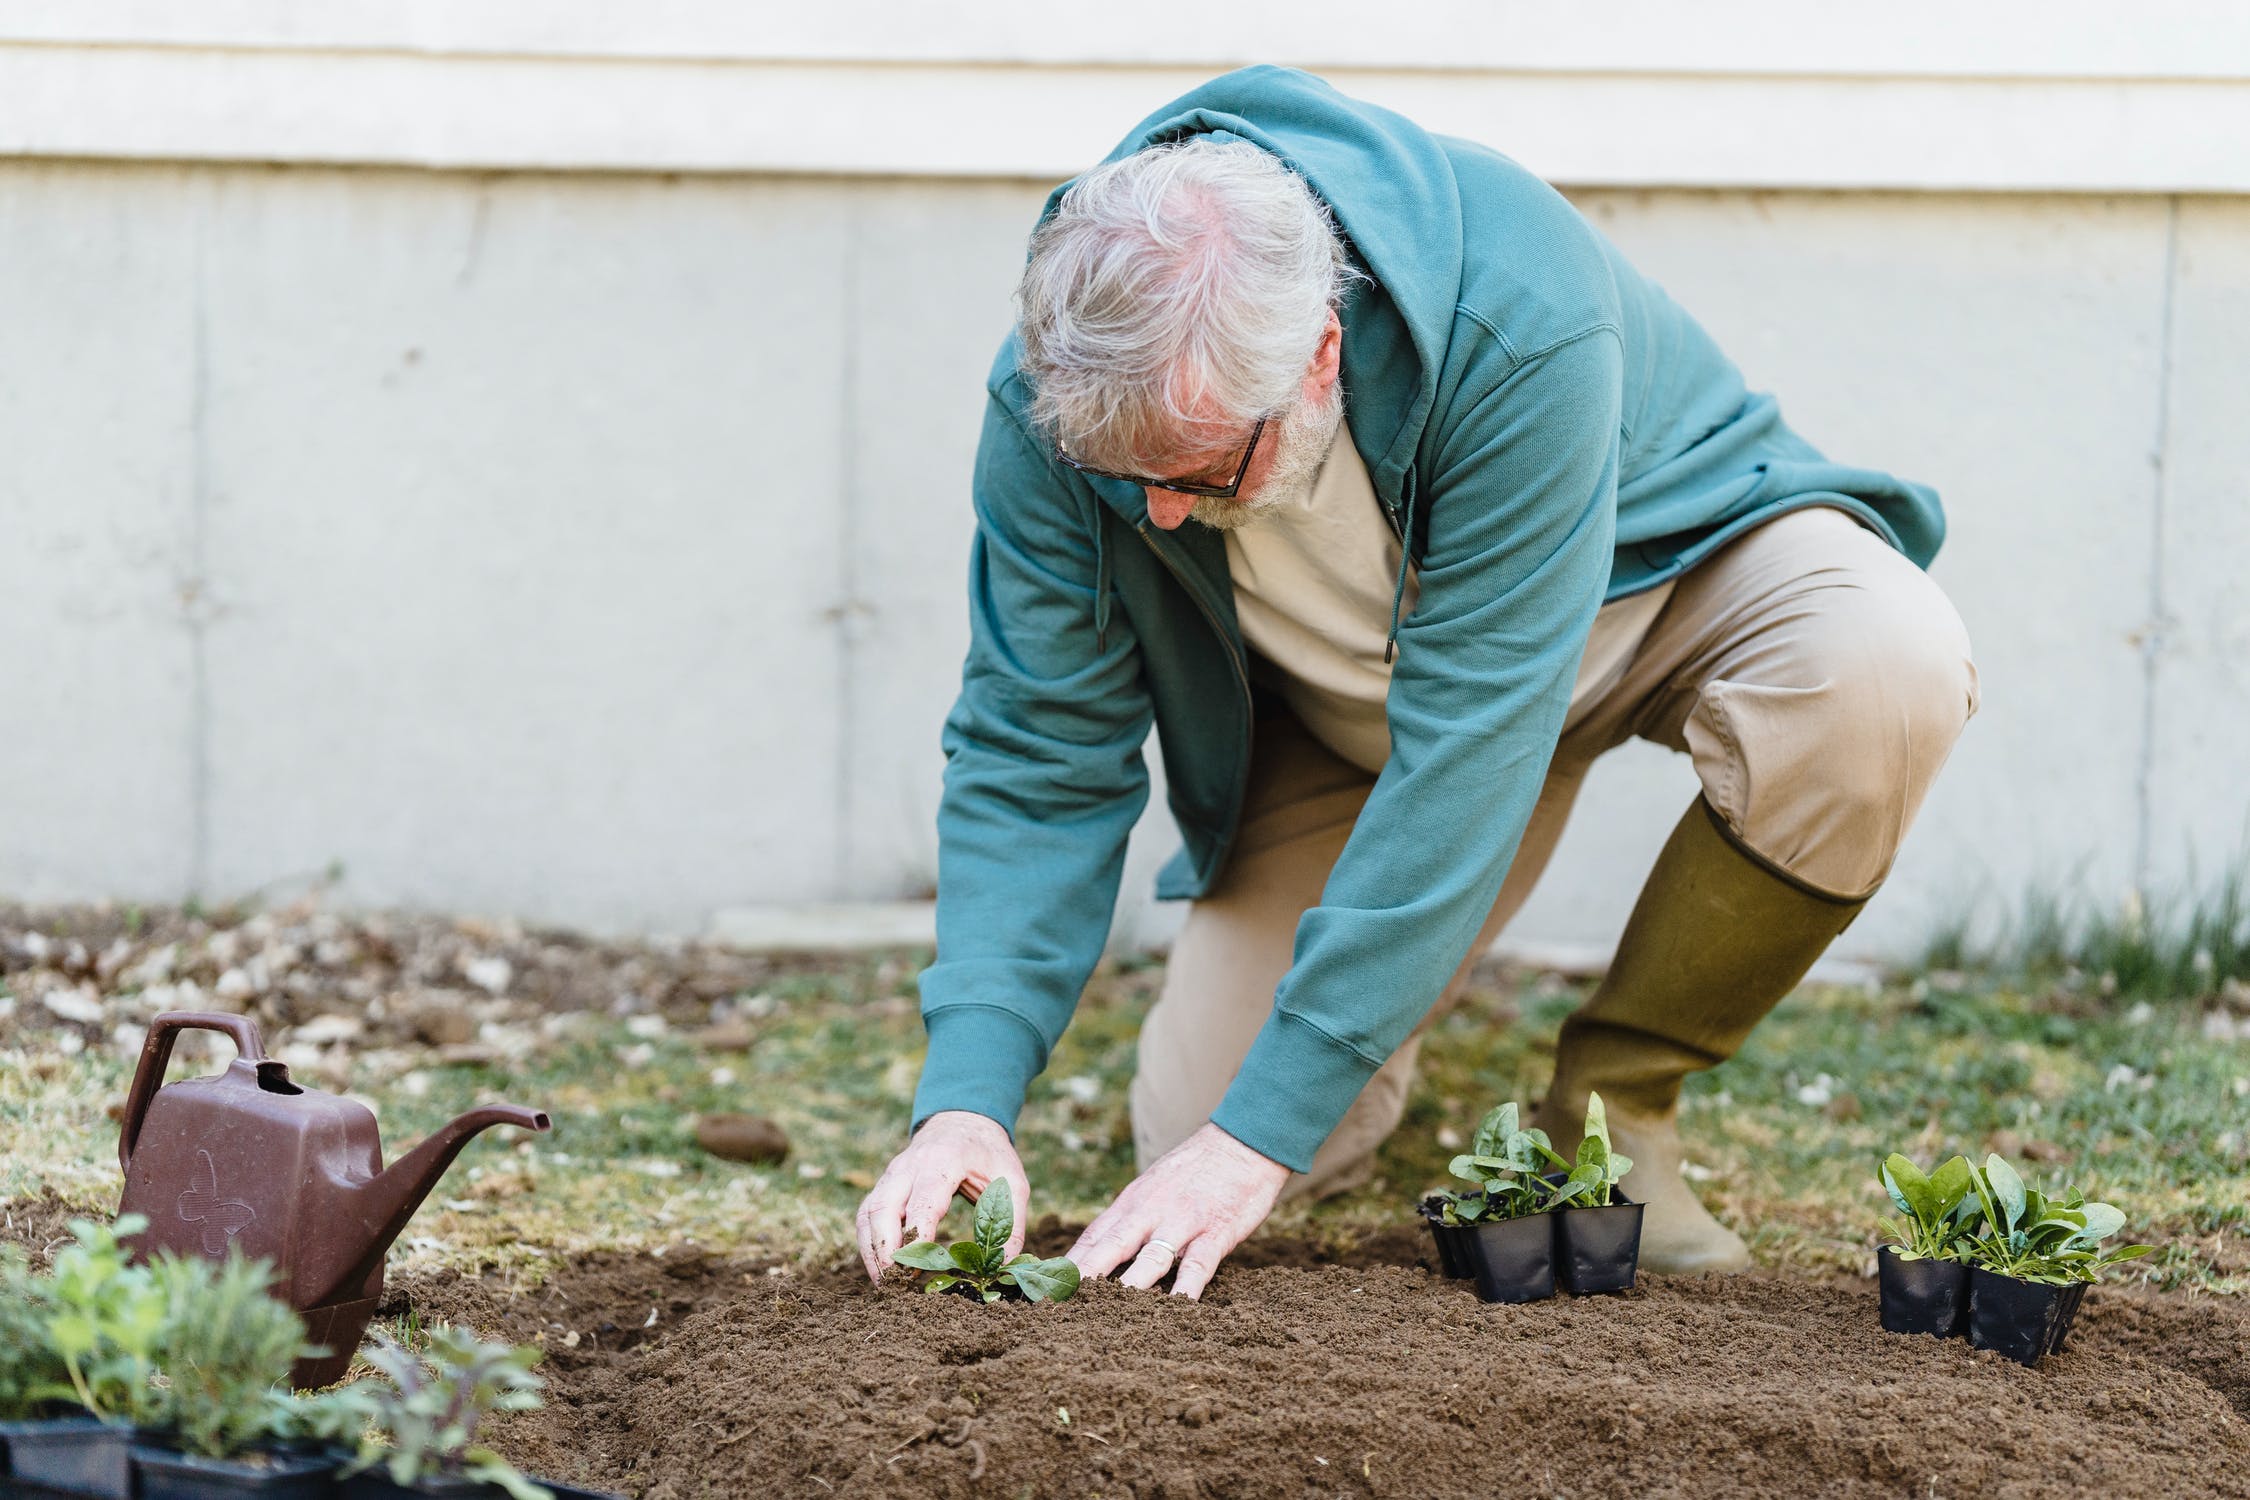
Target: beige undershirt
x=1312, y=590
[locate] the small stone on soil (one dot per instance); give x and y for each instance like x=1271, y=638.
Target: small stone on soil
x=752, y=1138
x=724, y=1036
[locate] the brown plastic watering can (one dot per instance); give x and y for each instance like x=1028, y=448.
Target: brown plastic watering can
x=248, y=1160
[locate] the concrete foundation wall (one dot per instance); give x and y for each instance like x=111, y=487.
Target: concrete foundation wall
x=590, y=548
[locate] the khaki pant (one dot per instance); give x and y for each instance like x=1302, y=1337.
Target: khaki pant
x=1817, y=678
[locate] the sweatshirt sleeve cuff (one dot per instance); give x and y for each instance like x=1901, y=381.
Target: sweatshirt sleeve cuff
x=1293, y=1090
x=981, y=1059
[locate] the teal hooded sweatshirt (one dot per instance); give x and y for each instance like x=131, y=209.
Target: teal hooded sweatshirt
x=1544, y=427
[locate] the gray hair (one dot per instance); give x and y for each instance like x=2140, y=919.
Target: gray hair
x=1179, y=292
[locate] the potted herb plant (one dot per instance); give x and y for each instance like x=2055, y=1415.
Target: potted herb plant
x=1924, y=1271
x=30, y=1370
x=322, y=1424
x=979, y=1266
x=1598, y=1231
x=97, y=1319
x=212, y=1426
x=2032, y=1260
x=427, y=1409
x=1502, y=1235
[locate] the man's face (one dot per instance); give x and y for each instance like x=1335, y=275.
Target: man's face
x=1282, y=472
x=1283, y=469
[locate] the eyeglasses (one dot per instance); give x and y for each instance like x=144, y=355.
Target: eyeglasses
x=1178, y=486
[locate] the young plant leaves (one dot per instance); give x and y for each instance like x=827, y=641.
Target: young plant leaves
x=1908, y=1188
x=1933, y=1222
x=925, y=1255
x=980, y=1265
x=995, y=1217
x=2007, y=1189
x=1599, y=1167
x=1494, y=1132
x=1044, y=1280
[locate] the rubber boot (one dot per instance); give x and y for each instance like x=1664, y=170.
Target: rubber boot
x=1715, y=940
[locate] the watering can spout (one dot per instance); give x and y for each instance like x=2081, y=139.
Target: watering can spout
x=372, y=1214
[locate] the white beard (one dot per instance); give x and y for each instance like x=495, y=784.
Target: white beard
x=1301, y=447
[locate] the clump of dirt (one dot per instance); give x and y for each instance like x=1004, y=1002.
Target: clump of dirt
x=1334, y=1369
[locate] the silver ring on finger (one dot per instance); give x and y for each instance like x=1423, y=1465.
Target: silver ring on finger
x=1171, y=1251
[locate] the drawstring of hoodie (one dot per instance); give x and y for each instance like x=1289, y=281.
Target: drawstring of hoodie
x=1405, y=560
x=1101, y=582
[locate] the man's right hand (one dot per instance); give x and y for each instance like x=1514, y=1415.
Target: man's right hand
x=954, y=1151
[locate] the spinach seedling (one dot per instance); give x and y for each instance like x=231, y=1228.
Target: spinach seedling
x=1936, y=1211
x=1505, y=1161
x=980, y=1264
x=2032, y=1237
x=1512, y=1165
x=1598, y=1168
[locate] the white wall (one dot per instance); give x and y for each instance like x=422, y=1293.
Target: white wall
x=587, y=544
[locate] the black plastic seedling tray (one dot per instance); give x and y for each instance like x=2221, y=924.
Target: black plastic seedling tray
x=169, y=1475
x=1513, y=1260
x=1923, y=1296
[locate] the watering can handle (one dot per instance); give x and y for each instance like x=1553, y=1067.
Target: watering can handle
x=156, y=1055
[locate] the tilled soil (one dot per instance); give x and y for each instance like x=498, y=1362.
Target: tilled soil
x=1343, y=1371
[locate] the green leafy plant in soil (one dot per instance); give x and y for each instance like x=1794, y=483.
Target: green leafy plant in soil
x=1936, y=1214
x=980, y=1264
x=428, y=1407
x=2032, y=1237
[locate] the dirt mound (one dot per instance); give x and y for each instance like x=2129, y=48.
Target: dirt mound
x=1330, y=1369
x=1325, y=1367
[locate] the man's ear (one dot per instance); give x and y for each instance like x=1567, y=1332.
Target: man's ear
x=1328, y=357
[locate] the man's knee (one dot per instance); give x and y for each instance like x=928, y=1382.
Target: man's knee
x=1823, y=772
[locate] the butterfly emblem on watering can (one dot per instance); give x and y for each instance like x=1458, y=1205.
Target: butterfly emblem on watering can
x=247, y=1159
x=222, y=1218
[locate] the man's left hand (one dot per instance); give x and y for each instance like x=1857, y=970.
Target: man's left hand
x=1192, y=1206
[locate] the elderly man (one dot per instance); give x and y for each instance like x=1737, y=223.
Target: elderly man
x=1352, y=458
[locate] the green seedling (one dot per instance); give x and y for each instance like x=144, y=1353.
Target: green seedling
x=2032, y=1237
x=104, y=1319
x=1599, y=1166
x=224, y=1345
x=1937, y=1211
x=429, y=1405
x=31, y=1372
x=981, y=1265
x=1504, y=1161
x=1511, y=1165
x=335, y=1418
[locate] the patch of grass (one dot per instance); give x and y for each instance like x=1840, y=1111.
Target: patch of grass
x=2165, y=946
x=2133, y=1103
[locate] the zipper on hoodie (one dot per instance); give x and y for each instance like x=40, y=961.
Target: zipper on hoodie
x=1241, y=682
x=1401, y=518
